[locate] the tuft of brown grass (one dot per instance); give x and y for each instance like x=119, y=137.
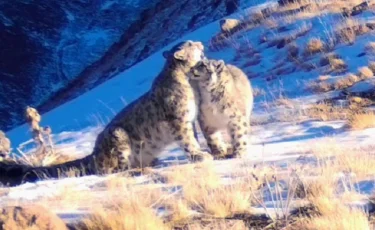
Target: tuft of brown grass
x=319, y=86
x=365, y=73
x=180, y=212
x=204, y=193
x=349, y=29
x=314, y=45
x=346, y=82
x=125, y=215
x=362, y=120
x=222, y=201
x=370, y=48
x=326, y=112
x=371, y=66
x=337, y=64
x=341, y=218
x=324, y=77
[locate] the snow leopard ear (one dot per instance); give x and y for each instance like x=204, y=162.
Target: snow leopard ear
x=199, y=45
x=219, y=65
x=180, y=55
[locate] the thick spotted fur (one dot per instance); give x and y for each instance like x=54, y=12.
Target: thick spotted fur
x=225, y=104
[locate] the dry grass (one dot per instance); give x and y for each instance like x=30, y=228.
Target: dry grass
x=326, y=112
x=218, y=224
x=341, y=218
x=349, y=29
x=319, y=86
x=313, y=46
x=222, y=201
x=337, y=64
x=370, y=48
x=329, y=208
x=346, y=82
x=258, y=92
x=129, y=213
x=371, y=66
x=365, y=73
x=334, y=159
x=324, y=77
x=359, y=121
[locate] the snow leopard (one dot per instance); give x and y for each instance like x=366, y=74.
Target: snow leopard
x=225, y=105
x=136, y=136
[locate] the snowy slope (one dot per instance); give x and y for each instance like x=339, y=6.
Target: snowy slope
x=282, y=133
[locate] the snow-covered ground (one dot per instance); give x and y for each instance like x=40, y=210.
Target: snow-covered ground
x=76, y=123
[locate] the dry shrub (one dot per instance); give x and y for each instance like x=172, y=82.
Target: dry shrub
x=258, y=92
x=365, y=73
x=356, y=103
x=128, y=209
x=30, y=217
x=371, y=66
x=319, y=86
x=349, y=29
x=315, y=45
x=204, y=171
x=324, y=77
x=125, y=215
x=370, y=48
x=357, y=100
x=335, y=159
x=337, y=64
x=180, y=212
x=222, y=201
x=341, y=218
x=285, y=102
x=362, y=120
x=346, y=82
x=326, y=112
x=204, y=193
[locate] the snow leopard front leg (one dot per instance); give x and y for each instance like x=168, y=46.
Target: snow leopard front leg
x=183, y=133
x=120, y=148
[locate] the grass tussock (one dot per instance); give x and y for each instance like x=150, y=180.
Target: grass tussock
x=365, y=73
x=222, y=201
x=130, y=213
x=314, y=46
x=363, y=120
x=370, y=48
x=326, y=112
x=347, y=81
x=334, y=160
x=341, y=218
x=349, y=29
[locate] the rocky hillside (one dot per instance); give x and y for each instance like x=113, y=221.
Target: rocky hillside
x=52, y=52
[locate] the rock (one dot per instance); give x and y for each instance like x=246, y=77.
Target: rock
x=54, y=51
x=29, y=217
x=228, y=25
